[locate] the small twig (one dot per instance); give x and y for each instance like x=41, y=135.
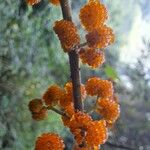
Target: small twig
x=119, y=146
x=82, y=45
x=77, y=47
x=58, y=111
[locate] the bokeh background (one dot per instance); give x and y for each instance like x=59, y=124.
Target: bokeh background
x=31, y=59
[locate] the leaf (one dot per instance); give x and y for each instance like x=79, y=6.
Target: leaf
x=110, y=72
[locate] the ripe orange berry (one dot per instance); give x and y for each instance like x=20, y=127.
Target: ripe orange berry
x=93, y=15
x=79, y=120
x=33, y=2
x=69, y=90
x=65, y=101
x=92, y=57
x=109, y=109
x=41, y=115
x=100, y=38
x=100, y=87
x=53, y=94
x=35, y=105
x=49, y=141
x=54, y=2
x=105, y=89
x=67, y=33
x=92, y=86
x=96, y=133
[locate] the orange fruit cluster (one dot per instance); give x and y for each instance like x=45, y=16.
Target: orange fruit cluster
x=35, y=105
x=79, y=120
x=54, y=2
x=49, y=141
x=85, y=129
x=88, y=133
x=41, y=115
x=67, y=33
x=109, y=109
x=38, y=111
x=96, y=133
x=92, y=57
x=99, y=87
x=93, y=15
x=53, y=94
x=33, y=2
x=100, y=38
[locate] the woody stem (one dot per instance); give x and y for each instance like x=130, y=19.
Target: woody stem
x=74, y=62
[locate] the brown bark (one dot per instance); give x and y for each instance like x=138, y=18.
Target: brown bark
x=58, y=111
x=74, y=62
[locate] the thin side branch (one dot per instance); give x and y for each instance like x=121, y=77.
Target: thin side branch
x=58, y=111
x=74, y=62
x=82, y=45
x=78, y=47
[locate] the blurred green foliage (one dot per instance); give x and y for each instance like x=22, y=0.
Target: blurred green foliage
x=110, y=72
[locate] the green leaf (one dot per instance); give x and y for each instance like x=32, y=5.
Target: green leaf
x=110, y=72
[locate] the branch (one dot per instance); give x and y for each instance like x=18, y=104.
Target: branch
x=77, y=47
x=57, y=111
x=74, y=62
x=82, y=45
x=119, y=146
